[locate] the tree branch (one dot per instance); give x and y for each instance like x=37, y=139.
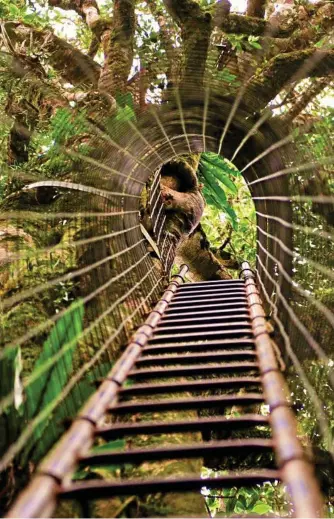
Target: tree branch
x=181, y=10
x=196, y=30
x=310, y=93
x=166, y=33
x=240, y=24
x=312, y=29
x=89, y=11
x=27, y=109
x=118, y=48
x=195, y=251
x=287, y=68
x=256, y=8
x=74, y=66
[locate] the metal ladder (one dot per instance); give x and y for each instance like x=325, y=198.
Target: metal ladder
x=200, y=338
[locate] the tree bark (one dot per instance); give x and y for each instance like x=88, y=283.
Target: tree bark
x=310, y=93
x=89, y=11
x=167, y=33
x=118, y=49
x=196, y=30
x=256, y=8
x=240, y=24
x=203, y=265
x=285, y=68
x=74, y=66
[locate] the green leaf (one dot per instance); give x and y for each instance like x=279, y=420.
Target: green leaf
x=11, y=419
x=110, y=446
x=216, y=191
x=255, y=44
x=220, y=163
x=211, y=501
x=320, y=43
x=262, y=508
x=13, y=10
x=50, y=382
x=10, y=371
x=125, y=114
x=222, y=177
x=225, y=75
x=10, y=376
x=124, y=100
x=230, y=505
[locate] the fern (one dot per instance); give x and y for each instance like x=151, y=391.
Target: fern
x=214, y=173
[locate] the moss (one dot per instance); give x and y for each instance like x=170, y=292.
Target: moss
x=17, y=322
x=240, y=24
x=67, y=509
x=172, y=504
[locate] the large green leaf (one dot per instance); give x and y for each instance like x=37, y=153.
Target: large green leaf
x=10, y=371
x=50, y=382
x=69, y=407
x=221, y=175
x=220, y=163
x=211, y=183
x=261, y=508
x=215, y=195
x=11, y=419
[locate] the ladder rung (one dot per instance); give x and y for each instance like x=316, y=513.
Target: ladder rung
x=213, y=292
x=201, y=326
x=227, y=383
x=170, y=321
x=104, y=489
x=210, y=296
x=209, y=345
x=224, y=282
x=186, y=371
x=206, y=303
x=148, y=406
x=242, y=332
x=214, y=314
x=196, y=450
x=184, y=359
x=116, y=431
x=240, y=304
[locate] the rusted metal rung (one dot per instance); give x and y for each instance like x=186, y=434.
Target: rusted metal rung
x=210, y=296
x=190, y=358
x=186, y=371
x=224, y=344
x=201, y=293
x=224, y=313
x=240, y=332
x=136, y=456
x=216, y=282
x=218, y=383
x=224, y=296
x=163, y=329
x=231, y=424
x=228, y=301
x=105, y=489
x=232, y=307
x=209, y=319
x=220, y=402
x=229, y=354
